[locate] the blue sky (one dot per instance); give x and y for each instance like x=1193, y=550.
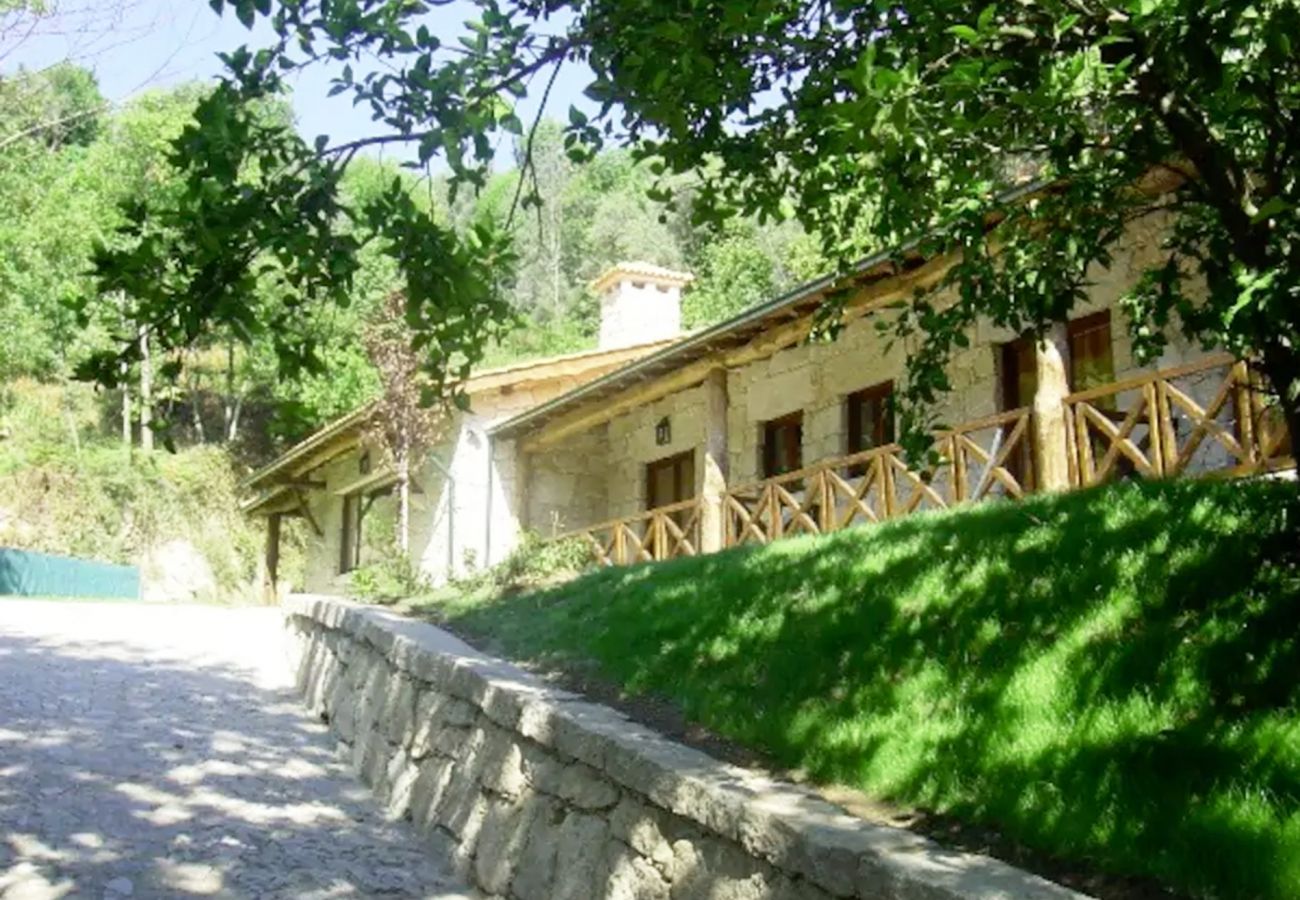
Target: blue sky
x=138, y=45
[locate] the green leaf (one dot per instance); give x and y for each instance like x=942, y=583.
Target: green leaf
x=1271, y=208
x=964, y=33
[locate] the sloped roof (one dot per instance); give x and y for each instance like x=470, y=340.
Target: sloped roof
x=343, y=433
x=733, y=332
x=739, y=329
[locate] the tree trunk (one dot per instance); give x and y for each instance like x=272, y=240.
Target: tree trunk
x=126, y=407
x=1283, y=371
x=196, y=416
x=232, y=418
x=146, y=392
x=404, y=496
x=231, y=413
x=71, y=419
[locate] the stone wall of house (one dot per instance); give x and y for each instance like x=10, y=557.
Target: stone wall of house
x=566, y=486
x=536, y=794
x=633, y=444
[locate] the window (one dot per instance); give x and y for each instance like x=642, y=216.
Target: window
x=783, y=445
x=870, y=417
x=1091, y=361
x=670, y=480
x=1090, y=364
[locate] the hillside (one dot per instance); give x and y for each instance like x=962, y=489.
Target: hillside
x=67, y=487
x=1109, y=678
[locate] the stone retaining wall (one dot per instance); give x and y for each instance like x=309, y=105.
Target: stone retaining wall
x=540, y=795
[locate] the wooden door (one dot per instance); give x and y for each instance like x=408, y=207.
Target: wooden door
x=670, y=480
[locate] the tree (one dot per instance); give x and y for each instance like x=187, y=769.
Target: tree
x=403, y=422
x=873, y=124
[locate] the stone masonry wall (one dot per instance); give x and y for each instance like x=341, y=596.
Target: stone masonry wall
x=539, y=795
x=566, y=487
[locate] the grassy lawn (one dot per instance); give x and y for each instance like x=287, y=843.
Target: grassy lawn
x=1110, y=676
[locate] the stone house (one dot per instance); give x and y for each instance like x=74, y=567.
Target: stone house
x=746, y=431
x=341, y=483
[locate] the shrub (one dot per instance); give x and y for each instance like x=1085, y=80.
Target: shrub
x=537, y=562
x=388, y=580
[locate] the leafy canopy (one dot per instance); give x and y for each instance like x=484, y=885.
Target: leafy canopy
x=871, y=123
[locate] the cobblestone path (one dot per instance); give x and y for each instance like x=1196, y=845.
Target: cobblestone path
x=160, y=751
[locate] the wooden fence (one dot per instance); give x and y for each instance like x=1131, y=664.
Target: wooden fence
x=982, y=459
x=1210, y=417
x=665, y=532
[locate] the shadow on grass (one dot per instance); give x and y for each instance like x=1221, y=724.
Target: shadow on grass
x=1110, y=676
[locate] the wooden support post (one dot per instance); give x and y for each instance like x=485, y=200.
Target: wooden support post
x=1050, y=429
x=271, y=586
x=713, y=489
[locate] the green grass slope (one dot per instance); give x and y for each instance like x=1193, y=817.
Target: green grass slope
x=1110, y=676
x=69, y=486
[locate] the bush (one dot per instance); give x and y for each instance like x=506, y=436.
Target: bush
x=537, y=562
x=388, y=580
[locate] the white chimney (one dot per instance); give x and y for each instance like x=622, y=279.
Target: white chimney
x=639, y=303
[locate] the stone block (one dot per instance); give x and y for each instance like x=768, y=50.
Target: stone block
x=401, y=779
x=708, y=869
x=399, y=710
x=431, y=668
x=646, y=831
x=535, y=871
x=465, y=821
x=431, y=783
x=784, y=888
x=583, y=731
x=583, y=787
x=342, y=711
x=370, y=755
x=436, y=713
x=501, y=841
x=631, y=877
x=502, y=768
x=542, y=771
x=450, y=742
x=581, y=864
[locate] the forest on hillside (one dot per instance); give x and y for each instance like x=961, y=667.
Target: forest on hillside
x=72, y=166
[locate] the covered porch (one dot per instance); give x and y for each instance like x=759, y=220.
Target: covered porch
x=1212, y=417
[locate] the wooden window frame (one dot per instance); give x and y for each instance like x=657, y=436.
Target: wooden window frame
x=772, y=427
x=1011, y=354
x=1075, y=329
x=854, y=438
x=677, y=461
x=352, y=528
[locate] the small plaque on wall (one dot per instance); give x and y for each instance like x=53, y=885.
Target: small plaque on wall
x=663, y=432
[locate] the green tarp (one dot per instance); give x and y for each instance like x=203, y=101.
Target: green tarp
x=28, y=574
